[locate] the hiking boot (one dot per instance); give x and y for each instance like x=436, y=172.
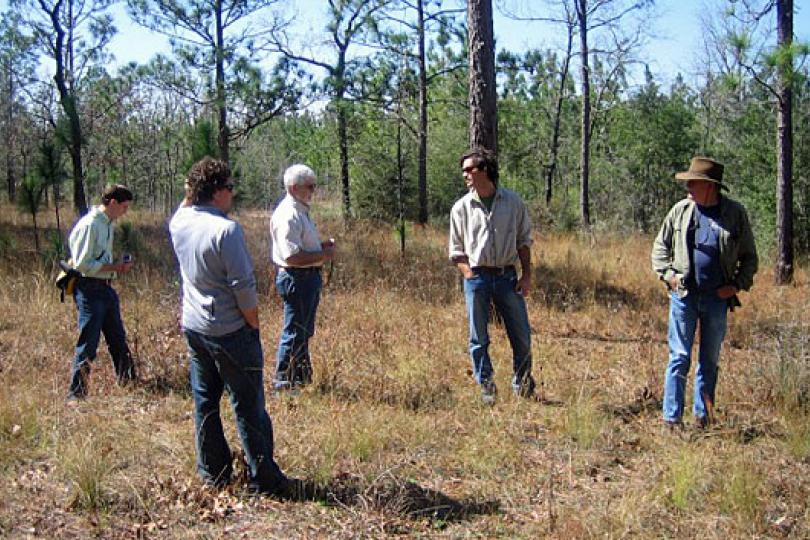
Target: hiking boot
x=287, y=388
x=488, y=392
x=673, y=426
x=701, y=422
x=526, y=387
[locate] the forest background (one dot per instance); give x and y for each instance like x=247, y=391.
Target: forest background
x=358, y=99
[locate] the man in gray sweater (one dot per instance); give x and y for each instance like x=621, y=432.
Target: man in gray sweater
x=221, y=325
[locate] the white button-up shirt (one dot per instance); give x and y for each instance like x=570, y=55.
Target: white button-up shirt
x=91, y=244
x=489, y=237
x=292, y=231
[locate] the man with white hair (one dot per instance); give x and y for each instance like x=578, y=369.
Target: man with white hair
x=298, y=253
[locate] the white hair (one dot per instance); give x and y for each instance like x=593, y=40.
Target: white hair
x=297, y=174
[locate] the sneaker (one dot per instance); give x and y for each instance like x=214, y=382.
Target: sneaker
x=488, y=392
x=526, y=387
x=701, y=422
x=672, y=426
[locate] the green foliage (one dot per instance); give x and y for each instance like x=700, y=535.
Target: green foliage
x=127, y=239
x=31, y=193
x=202, y=138
x=684, y=479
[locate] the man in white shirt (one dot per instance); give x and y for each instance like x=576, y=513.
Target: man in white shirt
x=298, y=253
x=490, y=233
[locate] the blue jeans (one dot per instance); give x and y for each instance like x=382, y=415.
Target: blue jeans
x=301, y=291
x=684, y=314
x=233, y=362
x=479, y=291
x=99, y=312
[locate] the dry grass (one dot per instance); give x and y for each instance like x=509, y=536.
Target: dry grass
x=392, y=436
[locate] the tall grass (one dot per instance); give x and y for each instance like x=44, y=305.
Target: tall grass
x=393, y=424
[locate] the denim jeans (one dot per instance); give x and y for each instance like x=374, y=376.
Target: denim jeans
x=301, y=292
x=99, y=312
x=684, y=314
x=233, y=362
x=479, y=291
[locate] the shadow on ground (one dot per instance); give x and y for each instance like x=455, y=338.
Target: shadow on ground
x=566, y=288
x=391, y=495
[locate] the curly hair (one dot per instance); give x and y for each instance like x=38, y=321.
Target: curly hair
x=483, y=160
x=206, y=177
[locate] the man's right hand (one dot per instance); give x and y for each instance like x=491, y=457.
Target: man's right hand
x=674, y=283
x=328, y=250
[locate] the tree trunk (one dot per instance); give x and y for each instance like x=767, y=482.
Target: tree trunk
x=483, y=98
x=9, y=137
x=784, y=140
x=585, y=128
x=423, y=117
x=223, y=134
x=555, y=136
x=68, y=102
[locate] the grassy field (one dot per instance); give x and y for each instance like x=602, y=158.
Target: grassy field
x=392, y=433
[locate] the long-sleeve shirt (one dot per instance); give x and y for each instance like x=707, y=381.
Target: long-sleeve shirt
x=292, y=231
x=217, y=273
x=91, y=244
x=489, y=237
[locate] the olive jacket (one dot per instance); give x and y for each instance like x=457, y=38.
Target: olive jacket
x=738, y=252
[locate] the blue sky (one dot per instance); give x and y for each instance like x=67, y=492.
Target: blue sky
x=673, y=48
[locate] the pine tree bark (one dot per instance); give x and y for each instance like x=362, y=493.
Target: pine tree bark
x=483, y=97
x=585, y=126
x=784, y=159
x=423, y=116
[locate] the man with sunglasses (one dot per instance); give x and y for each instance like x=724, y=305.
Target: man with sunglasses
x=490, y=234
x=298, y=253
x=221, y=326
x=705, y=254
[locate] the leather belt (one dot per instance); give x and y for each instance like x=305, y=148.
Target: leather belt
x=300, y=269
x=496, y=270
x=97, y=280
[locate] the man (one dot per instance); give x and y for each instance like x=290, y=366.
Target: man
x=97, y=303
x=221, y=325
x=298, y=253
x=705, y=254
x=490, y=232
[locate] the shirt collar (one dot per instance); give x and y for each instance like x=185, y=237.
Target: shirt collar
x=98, y=213
x=477, y=197
x=298, y=205
x=210, y=210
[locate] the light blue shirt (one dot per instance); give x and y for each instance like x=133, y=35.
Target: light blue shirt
x=217, y=273
x=91, y=244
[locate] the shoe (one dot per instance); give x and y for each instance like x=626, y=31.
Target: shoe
x=701, y=422
x=286, y=388
x=284, y=488
x=488, y=392
x=672, y=426
x=526, y=387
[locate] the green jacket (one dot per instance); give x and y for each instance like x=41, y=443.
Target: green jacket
x=738, y=253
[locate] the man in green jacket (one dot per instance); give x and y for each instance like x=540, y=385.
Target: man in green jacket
x=705, y=254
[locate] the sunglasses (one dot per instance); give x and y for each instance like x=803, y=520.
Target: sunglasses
x=310, y=187
x=229, y=187
x=469, y=169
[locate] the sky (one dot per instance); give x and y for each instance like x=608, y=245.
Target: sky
x=673, y=47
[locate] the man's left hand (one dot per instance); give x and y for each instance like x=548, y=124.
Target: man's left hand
x=726, y=291
x=524, y=285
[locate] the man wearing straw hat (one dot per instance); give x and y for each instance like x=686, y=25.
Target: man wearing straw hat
x=705, y=254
